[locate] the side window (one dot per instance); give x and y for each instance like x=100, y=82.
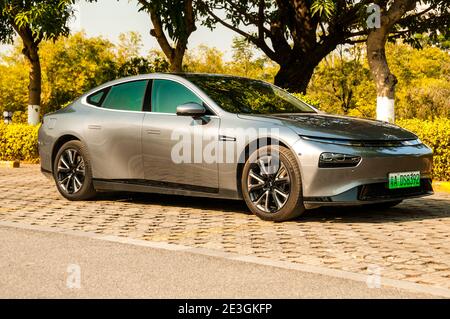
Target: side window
x=97, y=98
x=127, y=96
x=167, y=95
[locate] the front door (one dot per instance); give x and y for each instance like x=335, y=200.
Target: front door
x=177, y=150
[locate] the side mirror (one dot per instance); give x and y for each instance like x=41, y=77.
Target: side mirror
x=191, y=109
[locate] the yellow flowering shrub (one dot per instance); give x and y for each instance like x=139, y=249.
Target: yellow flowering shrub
x=19, y=142
x=435, y=134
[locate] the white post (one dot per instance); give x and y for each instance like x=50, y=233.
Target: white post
x=385, y=109
x=33, y=114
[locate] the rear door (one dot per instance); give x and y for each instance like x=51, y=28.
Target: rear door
x=114, y=131
x=174, y=147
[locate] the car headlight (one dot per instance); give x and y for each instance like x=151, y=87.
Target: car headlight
x=332, y=160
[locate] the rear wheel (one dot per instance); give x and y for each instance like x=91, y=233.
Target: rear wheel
x=271, y=184
x=72, y=172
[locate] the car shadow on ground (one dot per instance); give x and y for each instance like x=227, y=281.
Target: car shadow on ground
x=408, y=210
x=204, y=203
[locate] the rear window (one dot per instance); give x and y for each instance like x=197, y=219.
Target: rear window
x=97, y=98
x=126, y=96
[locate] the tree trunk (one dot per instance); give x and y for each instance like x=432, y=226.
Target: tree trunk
x=176, y=60
x=176, y=66
x=34, y=87
x=376, y=55
x=295, y=76
x=385, y=81
x=174, y=54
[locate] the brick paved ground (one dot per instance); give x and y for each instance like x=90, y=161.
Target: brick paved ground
x=409, y=242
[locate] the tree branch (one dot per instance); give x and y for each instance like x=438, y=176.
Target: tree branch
x=257, y=21
x=362, y=40
x=396, y=11
x=261, y=20
x=418, y=14
x=158, y=31
x=255, y=40
x=304, y=24
x=189, y=21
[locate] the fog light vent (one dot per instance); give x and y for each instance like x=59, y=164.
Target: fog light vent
x=330, y=160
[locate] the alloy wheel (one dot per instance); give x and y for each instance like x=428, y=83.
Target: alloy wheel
x=71, y=171
x=269, y=184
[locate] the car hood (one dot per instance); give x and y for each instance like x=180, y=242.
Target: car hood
x=337, y=127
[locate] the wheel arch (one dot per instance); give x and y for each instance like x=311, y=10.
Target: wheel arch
x=260, y=142
x=59, y=143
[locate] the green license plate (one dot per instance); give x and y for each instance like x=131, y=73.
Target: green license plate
x=404, y=179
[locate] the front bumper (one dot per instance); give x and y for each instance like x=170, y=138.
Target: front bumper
x=370, y=194
x=365, y=183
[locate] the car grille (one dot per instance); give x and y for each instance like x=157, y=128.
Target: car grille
x=381, y=191
x=382, y=143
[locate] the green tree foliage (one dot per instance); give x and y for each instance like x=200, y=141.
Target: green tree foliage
x=423, y=90
x=204, y=59
x=13, y=81
x=70, y=67
x=323, y=8
x=429, y=24
x=246, y=63
x=441, y=40
x=34, y=21
x=343, y=84
x=129, y=46
x=129, y=59
x=436, y=135
x=73, y=65
x=298, y=34
x=243, y=55
x=173, y=21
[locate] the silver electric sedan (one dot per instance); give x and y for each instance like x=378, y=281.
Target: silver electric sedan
x=228, y=137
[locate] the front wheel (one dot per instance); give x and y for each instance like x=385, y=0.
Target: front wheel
x=72, y=172
x=271, y=184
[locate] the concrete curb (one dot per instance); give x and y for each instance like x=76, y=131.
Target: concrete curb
x=400, y=284
x=10, y=164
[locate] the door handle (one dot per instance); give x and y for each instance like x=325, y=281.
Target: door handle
x=153, y=131
x=94, y=127
x=224, y=138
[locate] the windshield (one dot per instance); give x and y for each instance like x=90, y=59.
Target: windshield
x=241, y=95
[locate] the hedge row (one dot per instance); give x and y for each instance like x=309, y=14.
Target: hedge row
x=435, y=134
x=19, y=141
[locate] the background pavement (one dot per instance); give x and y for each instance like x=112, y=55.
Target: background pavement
x=38, y=265
x=410, y=242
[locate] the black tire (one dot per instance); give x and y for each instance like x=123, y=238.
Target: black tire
x=278, y=208
x=384, y=205
x=69, y=171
